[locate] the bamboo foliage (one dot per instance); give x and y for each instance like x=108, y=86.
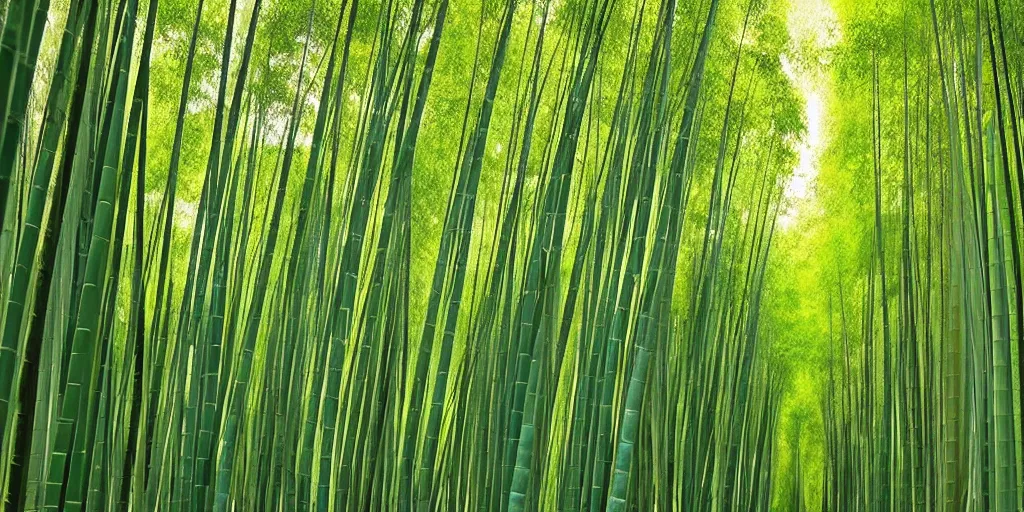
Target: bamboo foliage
x=496, y=255
x=944, y=427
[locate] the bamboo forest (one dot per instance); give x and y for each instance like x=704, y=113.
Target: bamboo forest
x=511, y=255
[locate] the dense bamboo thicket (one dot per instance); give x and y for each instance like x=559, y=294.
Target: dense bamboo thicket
x=919, y=276
x=924, y=356
x=511, y=255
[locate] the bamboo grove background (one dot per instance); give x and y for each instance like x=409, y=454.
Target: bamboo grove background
x=509, y=255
